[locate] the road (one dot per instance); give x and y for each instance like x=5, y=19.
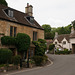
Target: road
x=62, y=65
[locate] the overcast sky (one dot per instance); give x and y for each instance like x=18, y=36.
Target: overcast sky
x=53, y=12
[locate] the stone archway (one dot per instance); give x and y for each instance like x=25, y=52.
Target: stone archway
x=73, y=48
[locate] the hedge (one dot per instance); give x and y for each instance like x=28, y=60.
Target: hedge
x=8, y=40
x=5, y=56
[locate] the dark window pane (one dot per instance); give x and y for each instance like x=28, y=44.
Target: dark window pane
x=35, y=36
x=11, y=30
x=15, y=31
x=55, y=42
x=64, y=42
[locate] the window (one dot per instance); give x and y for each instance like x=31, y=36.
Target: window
x=34, y=36
x=13, y=31
x=30, y=19
x=55, y=42
x=10, y=13
x=64, y=42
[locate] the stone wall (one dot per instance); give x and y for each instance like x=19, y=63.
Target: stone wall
x=5, y=28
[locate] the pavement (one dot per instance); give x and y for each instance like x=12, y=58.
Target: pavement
x=62, y=65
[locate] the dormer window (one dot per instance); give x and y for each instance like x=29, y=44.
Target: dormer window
x=9, y=12
x=30, y=19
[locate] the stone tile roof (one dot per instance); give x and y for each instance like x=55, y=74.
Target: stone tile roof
x=72, y=35
x=19, y=17
x=61, y=37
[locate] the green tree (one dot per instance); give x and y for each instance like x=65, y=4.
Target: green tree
x=73, y=22
x=3, y=2
x=47, y=28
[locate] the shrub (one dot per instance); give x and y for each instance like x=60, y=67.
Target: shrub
x=63, y=52
x=42, y=41
x=16, y=59
x=40, y=47
x=38, y=60
x=45, y=57
x=23, y=42
x=51, y=47
x=5, y=56
x=7, y=40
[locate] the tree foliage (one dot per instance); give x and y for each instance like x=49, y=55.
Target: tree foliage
x=49, y=34
x=3, y=2
x=23, y=42
x=47, y=28
x=40, y=47
x=73, y=23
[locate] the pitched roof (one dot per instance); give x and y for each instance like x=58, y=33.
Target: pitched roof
x=19, y=17
x=72, y=35
x=61, y=37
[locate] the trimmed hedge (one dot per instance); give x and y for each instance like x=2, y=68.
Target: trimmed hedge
x=5, y=56
x=7, y=40
x=23, y=42
x=63, y=52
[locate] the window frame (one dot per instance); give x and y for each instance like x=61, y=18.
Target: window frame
x=34, y=36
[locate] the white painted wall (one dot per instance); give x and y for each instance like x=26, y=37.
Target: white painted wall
x=67, y=45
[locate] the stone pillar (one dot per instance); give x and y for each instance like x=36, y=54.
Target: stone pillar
x=1, y=35
x=15, y=52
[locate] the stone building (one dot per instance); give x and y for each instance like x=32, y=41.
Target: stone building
x=65, y=41
x=13, y=21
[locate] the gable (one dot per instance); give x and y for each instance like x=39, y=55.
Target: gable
x=64, y=40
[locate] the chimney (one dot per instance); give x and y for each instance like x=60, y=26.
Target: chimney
x=56, y=34
x=29, y=10
x=72, y=30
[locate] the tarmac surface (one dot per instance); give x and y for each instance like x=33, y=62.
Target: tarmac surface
x=62, y=65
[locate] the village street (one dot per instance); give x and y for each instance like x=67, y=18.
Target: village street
x=62, y=65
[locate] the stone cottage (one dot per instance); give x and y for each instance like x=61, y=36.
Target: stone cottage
x=13, y=21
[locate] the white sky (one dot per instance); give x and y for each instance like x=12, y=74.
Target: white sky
x=53, y=12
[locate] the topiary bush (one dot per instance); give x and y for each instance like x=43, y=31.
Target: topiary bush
x=5, y=56
x=16, y=59
x=8, y=40
x=22, y=42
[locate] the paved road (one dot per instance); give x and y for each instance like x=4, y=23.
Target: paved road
x=63, y=65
